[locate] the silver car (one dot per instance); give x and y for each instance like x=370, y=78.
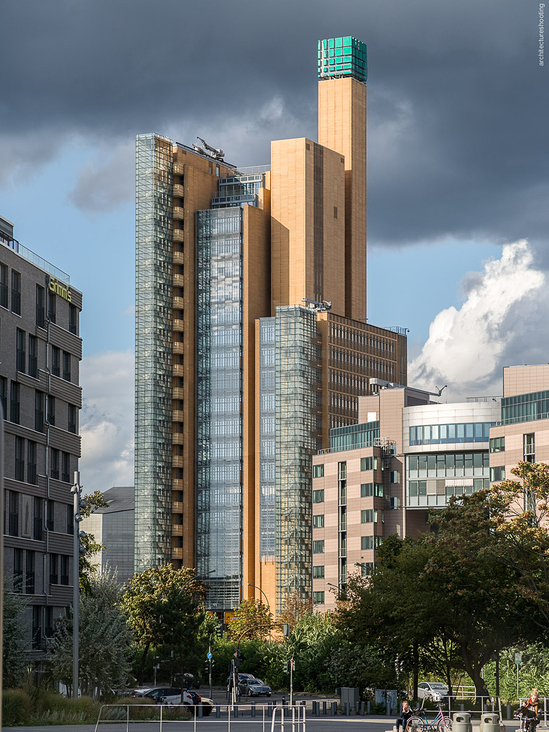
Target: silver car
x=432, y=690
x=253, y=687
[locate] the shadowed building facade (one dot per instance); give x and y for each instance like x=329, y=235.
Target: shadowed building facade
x=251, y=341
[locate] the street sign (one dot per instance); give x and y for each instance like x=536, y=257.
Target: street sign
x=209, y=655
x=518, y=658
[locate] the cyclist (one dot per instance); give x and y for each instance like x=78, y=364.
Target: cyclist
x=530, y=710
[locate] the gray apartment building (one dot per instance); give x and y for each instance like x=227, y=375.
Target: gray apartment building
x=40, y=351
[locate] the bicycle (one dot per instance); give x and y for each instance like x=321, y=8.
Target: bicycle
x=418, y=722
x=525, y=721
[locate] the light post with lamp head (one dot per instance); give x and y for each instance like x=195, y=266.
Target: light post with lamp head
x=76, y=490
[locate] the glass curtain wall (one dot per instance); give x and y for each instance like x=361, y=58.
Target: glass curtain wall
x=267, y=437
x=297, y=437
x=153, y=351
x=218, y=403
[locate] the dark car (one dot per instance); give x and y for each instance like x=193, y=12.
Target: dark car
x=253, y=687
x=172, y=696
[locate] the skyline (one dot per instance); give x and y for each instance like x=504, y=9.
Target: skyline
x=456, y=148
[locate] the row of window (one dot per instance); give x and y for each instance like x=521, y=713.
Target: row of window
x=14, y=303
x=60, y=360
x=42, y=402
x=440, y=434
x=366, y=463
x=448, y=465
x=28, y=516
x=24, y=570
x=351, y=360
x=351, y=335
x=420, y=488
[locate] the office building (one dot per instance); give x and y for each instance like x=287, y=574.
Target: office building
x=113, y=526
x=406, y=456
x=40, y=351
x=251, y=341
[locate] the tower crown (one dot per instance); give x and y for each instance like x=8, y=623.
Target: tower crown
x=340, y=57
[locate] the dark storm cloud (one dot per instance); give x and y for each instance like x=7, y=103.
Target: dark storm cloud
x=457, y=106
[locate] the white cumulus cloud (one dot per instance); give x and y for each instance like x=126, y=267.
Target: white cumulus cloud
x=501, y=323
x=107, y=420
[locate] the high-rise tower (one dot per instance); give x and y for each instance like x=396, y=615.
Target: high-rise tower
x=251, y=341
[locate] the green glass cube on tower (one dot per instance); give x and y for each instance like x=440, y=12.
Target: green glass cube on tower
x=340, y=57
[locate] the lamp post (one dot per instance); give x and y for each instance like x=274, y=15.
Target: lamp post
x=76, y=490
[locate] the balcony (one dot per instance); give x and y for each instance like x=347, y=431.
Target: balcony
x=177, y=392
x=178, y=234
x=177, y=347
x=178, y=303
x=178, y=280
x=178, y=168
x=177, y=507
x=177, y=461
x=177, y=552
x=177, y=369
x=178, y=325
x=178, y=257
x=177, y=438
x=177, y=416
x=178, y=213
x=177, y=529
x=178, y=190
x=177, y=484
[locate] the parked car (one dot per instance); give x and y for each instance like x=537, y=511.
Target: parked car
x=253, y=687
x=432, y=690
x=171, y=695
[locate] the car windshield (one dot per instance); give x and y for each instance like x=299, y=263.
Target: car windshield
x=438, y=686
x=254, y=681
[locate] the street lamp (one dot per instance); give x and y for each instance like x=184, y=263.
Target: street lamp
x=76, y=490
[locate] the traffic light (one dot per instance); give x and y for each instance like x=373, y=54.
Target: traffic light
x=292, y=664
x=219, y=631
x=286, y=666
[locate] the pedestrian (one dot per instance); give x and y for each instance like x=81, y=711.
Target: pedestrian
x=405, y=715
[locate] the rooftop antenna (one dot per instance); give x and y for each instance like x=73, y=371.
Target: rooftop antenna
x=215, y=152
x=441, y=390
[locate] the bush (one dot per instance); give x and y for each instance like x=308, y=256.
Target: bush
x=16, y=707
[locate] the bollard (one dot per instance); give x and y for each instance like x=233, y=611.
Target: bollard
x=462, y=707
x=347, y=709
x=368, y=708
x=217, y=711
x=323, y=707
x=356, y=707
x=235, y=711
x=362, y=708
x=508, y=711
x=253, y=709
x=200, y=710
x=333, y=711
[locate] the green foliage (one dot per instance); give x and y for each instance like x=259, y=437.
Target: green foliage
x=14, y=648
x=533, y=672
x=104, y=641
x=251, y=619
x=16, y=707
x=90, y=503
x=164, y=608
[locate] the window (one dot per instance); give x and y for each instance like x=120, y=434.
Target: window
x=4, y=395
x=497, y=473
x=72, y=424
x=50, y=409
x=318, y=496
x=39, y=411
x=318, y=572
x=3, y=286
x=394, y=476
x=366, y=569
x=342, y=471
x=318, y=471
x=66, y=467
x=18, y=570
x=19, y=459
x=54, y=563
x=51, y=306
x=15, y=292
x=36, y=626
x=366, y=463
x=54, y=467
x=366, y=542
x=15, y=392
x=318, y=521
x=33, y=356
x=50, y=525
x=497, y=444
x=368, y=516
x=64, y=570
x=394, y=502
x=318, y=547
x=12, y=500
x=73, y=319
x=55, y=361
x=366, y=490
x=20, y=356
x=70, y=519
x=38, y=519
x=318, y=598
x=66, y=366
x=29, y=573
x=40, y=307
x=529, y=447
x=49, y=627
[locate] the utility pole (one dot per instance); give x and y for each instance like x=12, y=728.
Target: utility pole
x=76, y=490
x=292, y=667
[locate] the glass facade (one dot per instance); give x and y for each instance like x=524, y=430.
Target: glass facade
x=218, y=403
x=298, y=435
x=432, y=478
x=153, y=352
x=344, y=56
x=267, y=437
x=238, y=190
x=525, y=407
x=353, y=436
x=441, y=434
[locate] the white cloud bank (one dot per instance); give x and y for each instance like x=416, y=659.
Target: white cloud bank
x=107, y=420
x=501, y=323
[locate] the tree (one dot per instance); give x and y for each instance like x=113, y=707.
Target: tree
x=90, y=503
x=252, y=619
x=164, y=608
x=294, y=608
x=105, y=641
x=14, y=648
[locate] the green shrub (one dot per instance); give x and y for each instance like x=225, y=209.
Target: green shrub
x=16, y=707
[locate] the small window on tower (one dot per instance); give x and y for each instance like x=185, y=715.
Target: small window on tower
x=335, y=212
